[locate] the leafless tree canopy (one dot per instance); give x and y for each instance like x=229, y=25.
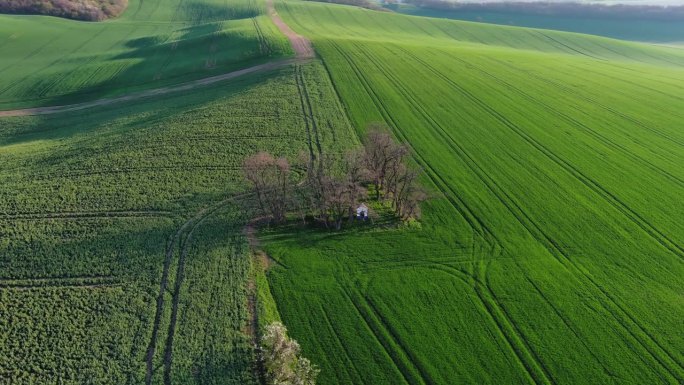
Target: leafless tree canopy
x=333, y=187
x=270, y=178
x=89, y=10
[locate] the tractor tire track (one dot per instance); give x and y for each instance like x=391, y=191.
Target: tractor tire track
x=594, y=186
x=307, y=124
x=394, y=335
x=523, y=350
x=527, y=222
x=307, y=109
x=475, y=223
x=342, y=346
x=533, y=369
x=596, y=102
x=410, y=376
x=598, y=136
x=615, y=309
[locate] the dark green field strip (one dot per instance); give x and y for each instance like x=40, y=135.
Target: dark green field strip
x=103, y=196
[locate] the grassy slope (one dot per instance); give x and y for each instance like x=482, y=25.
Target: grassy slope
x=87, y=208
x=48, y=61
x=627, y=29
x=554, y=255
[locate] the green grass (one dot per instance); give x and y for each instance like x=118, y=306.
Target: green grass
x=629, y=28
x=553, y=251
x=88, y=212
x=48, y=61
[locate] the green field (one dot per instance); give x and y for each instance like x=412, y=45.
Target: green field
x=48, y=61
x=553, y=251
x=656, y=31
x=95, y=213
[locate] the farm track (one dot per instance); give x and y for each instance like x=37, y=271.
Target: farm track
x=668, y=361
x=152, y=93
x=304, y=52
x=301, y=46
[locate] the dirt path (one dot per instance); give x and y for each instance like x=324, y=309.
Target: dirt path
x=300, y=44
x=302, y=47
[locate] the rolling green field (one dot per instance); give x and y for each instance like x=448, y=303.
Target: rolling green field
x=48, y=61
x=552, y=251
x=99, y=216
x=657, y=31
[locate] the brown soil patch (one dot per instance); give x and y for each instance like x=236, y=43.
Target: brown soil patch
x=300, y=44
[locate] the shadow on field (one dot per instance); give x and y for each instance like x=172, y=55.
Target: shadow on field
x=109, y=122
x=214, y=42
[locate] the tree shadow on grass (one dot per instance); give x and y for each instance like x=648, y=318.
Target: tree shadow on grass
x=213, y=42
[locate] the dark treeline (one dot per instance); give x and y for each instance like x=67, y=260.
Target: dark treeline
x=616, y=11
x=88, y=10
x=329, y=189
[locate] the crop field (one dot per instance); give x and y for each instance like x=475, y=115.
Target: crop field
x=627, y=29
x=48, y=61
x=122, y=257
x=552, y=251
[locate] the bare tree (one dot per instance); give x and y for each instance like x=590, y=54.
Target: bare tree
x=407, y=193
x=270, y=178
x=382, y=155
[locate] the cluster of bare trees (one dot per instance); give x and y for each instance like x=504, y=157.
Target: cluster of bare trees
x=89, y=10
x=282, y=360
x=329, y=189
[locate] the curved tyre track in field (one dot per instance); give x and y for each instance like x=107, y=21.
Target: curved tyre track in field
x=301, y=46
x=181, y=240
x=303, y=52
x=639, y=337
